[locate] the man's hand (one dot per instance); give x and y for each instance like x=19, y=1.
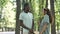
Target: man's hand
x=31, y=31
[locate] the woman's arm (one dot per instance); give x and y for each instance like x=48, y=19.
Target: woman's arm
x=45, y=23
x=44, y=28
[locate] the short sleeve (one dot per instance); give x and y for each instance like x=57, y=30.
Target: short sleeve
x=46, y=19
x=21, y=16
x=32, y=16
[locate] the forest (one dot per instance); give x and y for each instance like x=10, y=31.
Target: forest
x=10, y=10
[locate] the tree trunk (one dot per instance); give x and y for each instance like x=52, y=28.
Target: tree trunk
x=53, y=30
x=46, y=3
x=17, y=29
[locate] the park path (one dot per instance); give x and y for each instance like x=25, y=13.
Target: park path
x=13, y=32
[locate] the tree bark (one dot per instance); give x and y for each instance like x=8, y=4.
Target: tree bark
x=53, y=30
x=17, y=29
x=46, y=3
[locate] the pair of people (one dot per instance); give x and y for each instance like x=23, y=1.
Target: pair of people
x=27, y=21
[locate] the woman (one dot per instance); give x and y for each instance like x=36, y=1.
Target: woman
x=45, y=23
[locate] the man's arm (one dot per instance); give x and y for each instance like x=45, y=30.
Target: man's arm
x=31, y=31
x=21, y=24
x=32, y=24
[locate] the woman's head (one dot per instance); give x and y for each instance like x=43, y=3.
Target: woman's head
x=46, y=11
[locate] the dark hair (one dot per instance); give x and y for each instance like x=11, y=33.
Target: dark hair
x=49, y=14
x=25, y=5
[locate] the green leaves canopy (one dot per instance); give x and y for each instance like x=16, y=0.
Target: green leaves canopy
x=3, y=2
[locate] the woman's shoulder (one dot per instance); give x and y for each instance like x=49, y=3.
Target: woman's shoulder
x=46, y=16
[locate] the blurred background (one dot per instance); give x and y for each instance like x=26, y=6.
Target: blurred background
x=10, y=9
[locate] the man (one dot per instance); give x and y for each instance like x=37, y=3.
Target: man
x=26, y=19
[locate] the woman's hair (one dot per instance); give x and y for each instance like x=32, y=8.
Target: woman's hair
x=49, y=14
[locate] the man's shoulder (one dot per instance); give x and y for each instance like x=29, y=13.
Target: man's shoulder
x=30, y=13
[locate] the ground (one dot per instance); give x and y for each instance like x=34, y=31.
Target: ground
x=13, y=32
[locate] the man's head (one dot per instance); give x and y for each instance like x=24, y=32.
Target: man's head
x=26, y=7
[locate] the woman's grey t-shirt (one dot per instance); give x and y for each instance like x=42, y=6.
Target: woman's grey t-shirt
x=45, y=20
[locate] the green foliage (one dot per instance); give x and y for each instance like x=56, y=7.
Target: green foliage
x=8, y=19
x=3, y=2
x=36, y=9
x=57, y=14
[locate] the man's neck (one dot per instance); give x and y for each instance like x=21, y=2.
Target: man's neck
x=26, y=11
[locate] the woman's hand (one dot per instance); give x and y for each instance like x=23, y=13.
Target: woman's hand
x=40, y=32
x=31, y=31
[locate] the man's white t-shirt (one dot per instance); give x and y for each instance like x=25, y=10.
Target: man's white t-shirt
x=27, y=20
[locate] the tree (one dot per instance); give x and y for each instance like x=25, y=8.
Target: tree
x=2, y=5
x=18, y=3
x=46, y=3
x=53, y=30
x=57, y=14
